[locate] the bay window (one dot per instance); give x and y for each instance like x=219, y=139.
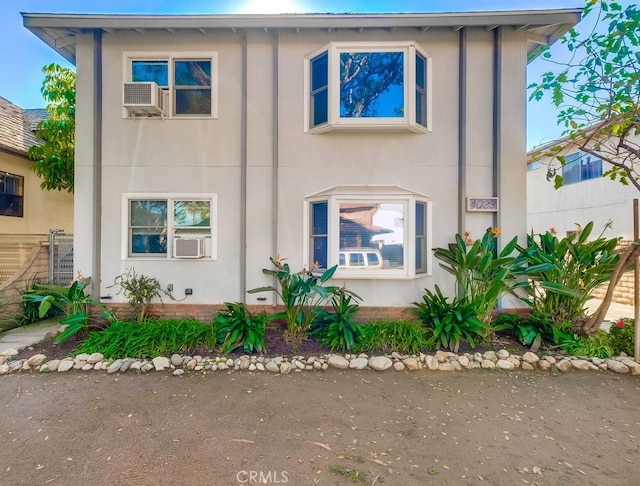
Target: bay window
x=380, y=85
x=369, y=231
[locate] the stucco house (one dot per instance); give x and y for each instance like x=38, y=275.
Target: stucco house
x=208, y=143
x=27, y=212
x=584, y=196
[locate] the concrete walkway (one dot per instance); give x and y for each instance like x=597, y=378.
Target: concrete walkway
x=25, y=336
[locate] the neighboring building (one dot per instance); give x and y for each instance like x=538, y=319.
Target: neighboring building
x=584, y=196
x=207, y=143
x=26, y=210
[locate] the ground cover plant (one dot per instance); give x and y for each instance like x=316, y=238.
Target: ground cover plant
x=148, y=339
x=402, y=336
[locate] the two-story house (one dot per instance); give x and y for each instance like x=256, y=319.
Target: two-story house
x=208, y=143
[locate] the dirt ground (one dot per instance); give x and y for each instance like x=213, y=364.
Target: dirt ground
x=331, y=428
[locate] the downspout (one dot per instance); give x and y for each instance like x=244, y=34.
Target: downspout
x=243, y=176
x=462, y=131
x=275, y=151
x=97, y=164
x=497, y=120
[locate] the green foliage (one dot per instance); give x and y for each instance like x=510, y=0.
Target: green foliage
x=563, y=272
x=151, y=338
x=482, y=274
x=597, y=90
x=449, y=321
x=621, y=336
x=301, y=293
x=531, y=330
x=31, y=305
x=139, y=290
x=54, y=157
x=337, y=329
x=404, y=336
x=70, y=301
x=598, y=346
x=236, y=326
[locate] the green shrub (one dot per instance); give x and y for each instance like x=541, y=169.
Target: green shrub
x=450, y=322
x=139, y=290
x=531, y=330
x=402, y=336
x=563, y=272
x=337, y=329
x=71, y=301
x=151, y=338
x=302, y=293
x=482, y=273
x=621, y=336
x=236, y=326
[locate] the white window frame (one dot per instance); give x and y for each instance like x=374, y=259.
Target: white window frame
x=380, y=195
x=211, y=249
x=130, y=56
x=406, y=122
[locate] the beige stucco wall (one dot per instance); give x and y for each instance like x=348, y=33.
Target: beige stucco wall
x=205, y=155
x=43, y=210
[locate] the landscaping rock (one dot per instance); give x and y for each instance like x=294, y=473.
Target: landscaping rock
x=36, y=360
x=176, y=360
x=464, y=361
x=580, y=364
x=358, y=363
x=95, y=358
x=632, y=365
x=505, y=364
x=410, y=363
x=502, y=354
x=563, y=365
x=4, y=369
x=530, y=357
x=272, y=367
x=447, y=366
x=617, y=366
x=9, y=352
x=380, y=363
x=487, y=364
x=285, y=368
x=339, y=362
x=431, y=362
x=115, y=366
x=398, y=366
x=65, y=365
x=161, y=363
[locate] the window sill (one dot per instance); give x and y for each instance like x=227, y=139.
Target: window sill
x=361, y=127
x=375, y=275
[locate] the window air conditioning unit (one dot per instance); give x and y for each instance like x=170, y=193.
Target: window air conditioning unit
x=145, y=99
x=188, y=248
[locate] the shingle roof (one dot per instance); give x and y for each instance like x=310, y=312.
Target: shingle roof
x=17, y=127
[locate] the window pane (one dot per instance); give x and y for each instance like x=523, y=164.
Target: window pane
x=148, y=213
x=421, y=237
x=320, y=107
x=320, y=71
x=571, y=169
x=147, y=241
x=371, y=84
x=192, y=213
x=192, y=73
x=157, y=71
x=420, y=71
x=319, y=232
x=193, y=102
x=372, y=225
x=591, y=167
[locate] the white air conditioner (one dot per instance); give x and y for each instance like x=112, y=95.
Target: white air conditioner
x=188, y=247
x=145, y=99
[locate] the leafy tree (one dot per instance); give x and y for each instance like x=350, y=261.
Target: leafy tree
x=598, y=93
x=54, y=157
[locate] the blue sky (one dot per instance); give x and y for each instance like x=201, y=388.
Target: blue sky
x=23, y=55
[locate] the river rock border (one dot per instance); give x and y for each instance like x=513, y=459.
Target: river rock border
x=439, y=361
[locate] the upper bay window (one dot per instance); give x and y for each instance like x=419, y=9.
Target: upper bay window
x=189, y=81
x=369, y=231
x=380, y=85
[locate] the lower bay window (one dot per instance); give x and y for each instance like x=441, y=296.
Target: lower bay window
x=369, y=231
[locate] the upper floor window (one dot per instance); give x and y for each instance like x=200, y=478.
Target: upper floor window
x=369, y=231
x=368, y=85
x=11, y=195
x=170, y=226
x=581, y=166
x=189, y=81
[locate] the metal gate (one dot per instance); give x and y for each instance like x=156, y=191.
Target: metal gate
x=60, y=257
